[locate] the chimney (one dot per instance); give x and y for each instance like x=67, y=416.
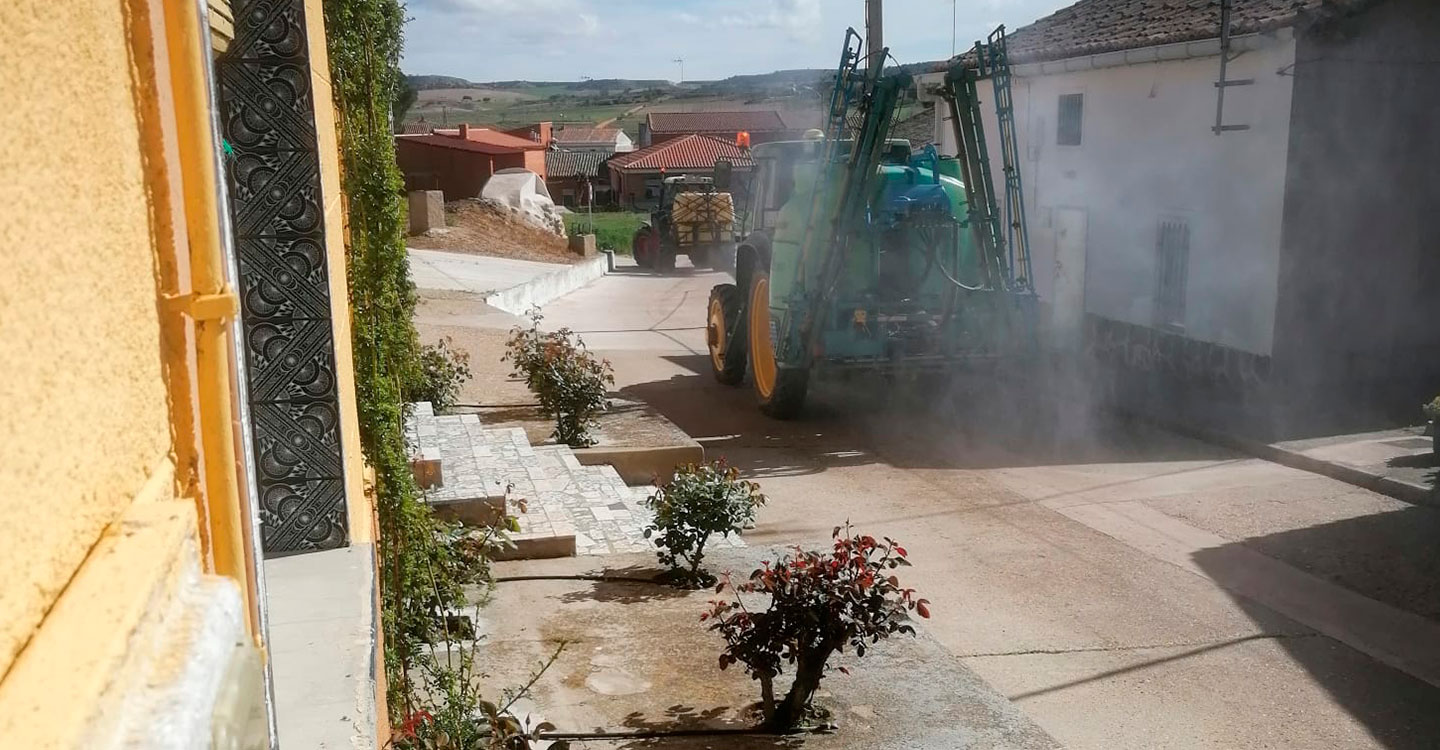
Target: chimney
x=465, y=130
x=546, y=133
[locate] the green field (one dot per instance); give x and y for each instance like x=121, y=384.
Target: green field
x=612, y=229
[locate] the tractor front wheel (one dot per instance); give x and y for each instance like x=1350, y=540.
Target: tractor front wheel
x=780, y=390
x=646, y=246
x=725, y=334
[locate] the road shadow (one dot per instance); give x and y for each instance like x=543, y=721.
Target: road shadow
x=965, y=422
x=634, y=584
x=684, y=718
x=1390, y=557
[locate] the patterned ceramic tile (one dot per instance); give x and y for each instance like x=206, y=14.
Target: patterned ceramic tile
x=267, y=115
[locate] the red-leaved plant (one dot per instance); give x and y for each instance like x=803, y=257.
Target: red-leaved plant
x=819, y=604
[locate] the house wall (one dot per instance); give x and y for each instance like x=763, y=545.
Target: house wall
x=1148, y=155
x=113, y=627
x=570, y=191
x=531, y=160
x=629, y=187
x=460, y=174
x=1360, y=266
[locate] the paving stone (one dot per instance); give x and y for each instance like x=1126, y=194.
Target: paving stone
x=563, y=497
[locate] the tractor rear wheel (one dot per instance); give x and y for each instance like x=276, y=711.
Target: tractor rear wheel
x=646, y=246
x=780, y=390
x=725, y=333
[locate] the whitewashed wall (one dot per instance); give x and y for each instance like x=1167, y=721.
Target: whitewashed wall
x=1147, y=155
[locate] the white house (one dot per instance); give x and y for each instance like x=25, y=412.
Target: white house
x=1240, y=275
x=592, y=140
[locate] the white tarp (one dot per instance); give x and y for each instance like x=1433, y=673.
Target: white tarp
x=524, y=192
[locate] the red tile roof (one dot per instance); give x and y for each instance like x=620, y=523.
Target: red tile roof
x=1096, y=26
x=450, y=141
x=492, y=138
x=586, y=135
x=755, y=121
x=679, y=154
x=562, y=163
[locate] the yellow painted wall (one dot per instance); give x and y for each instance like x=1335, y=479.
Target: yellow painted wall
x=361, y=511
x=83, y=414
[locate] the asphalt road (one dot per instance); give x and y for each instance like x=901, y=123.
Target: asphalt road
x=1123, y=586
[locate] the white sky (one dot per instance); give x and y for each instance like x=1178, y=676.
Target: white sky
x=562, y=40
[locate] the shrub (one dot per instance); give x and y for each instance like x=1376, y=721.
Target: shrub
x=450, y=713
x=569, y=382
x=1432, y=409
x=441, y=371
x=819, y=604
x=701, y=500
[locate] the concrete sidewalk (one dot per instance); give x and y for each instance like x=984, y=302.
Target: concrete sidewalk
x=1399, y=463
x=513, y=286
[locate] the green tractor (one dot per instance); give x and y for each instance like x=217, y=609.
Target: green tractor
x=862, y=255
x=695, y=219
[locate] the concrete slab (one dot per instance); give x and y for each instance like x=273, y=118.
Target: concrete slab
x=638, y=658
x=323, y=648
x=1233, y=693
x=477, y=274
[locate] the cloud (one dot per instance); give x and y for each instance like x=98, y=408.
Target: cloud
x=496, y=40
x=796, y=18
x=507, y=23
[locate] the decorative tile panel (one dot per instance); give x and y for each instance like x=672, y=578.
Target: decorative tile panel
x=267, y=114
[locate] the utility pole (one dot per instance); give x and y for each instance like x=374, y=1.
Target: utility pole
x=874, y=27
x=954, y=25
x=680, y=60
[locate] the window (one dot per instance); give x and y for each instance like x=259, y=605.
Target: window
x=1172, y=249
x=1072, y=111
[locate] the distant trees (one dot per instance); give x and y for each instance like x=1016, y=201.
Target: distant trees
x=400, y=104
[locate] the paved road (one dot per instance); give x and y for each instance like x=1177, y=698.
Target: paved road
x=1125, y=587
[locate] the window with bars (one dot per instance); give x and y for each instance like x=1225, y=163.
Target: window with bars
x=1068, y=123
x=1172, y=253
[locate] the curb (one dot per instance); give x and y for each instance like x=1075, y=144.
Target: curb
x=642, y=466
x=518, y=299
x=1403, y=491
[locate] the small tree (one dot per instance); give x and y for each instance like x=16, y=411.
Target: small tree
x=819, y=604
x=570, y=383
x=701, y=500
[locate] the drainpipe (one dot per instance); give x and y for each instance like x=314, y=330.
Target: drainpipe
x=232, y=502
x=211, y=303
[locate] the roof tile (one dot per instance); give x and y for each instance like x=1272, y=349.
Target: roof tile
x=686, y=152
x=1097, y=26
x=562, y=163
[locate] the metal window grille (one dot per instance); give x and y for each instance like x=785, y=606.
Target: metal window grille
x=1072, y=113
x=1172, y=249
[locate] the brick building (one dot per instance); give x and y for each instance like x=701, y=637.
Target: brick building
x=636, y=177
x=567, y=173
x=460, y=161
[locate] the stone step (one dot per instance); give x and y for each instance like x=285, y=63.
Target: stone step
x=562, y=507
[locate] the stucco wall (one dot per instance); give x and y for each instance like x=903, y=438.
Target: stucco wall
x=1360, y=284
x=85, y=417
x=1148, y=154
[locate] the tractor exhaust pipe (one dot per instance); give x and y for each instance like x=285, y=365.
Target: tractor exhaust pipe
x=874, y=26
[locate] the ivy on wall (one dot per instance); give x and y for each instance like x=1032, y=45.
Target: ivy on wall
x=364, y=38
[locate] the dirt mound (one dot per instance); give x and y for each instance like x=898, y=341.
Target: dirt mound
x=487, y=228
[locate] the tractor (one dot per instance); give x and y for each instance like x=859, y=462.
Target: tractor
x=860, y=255
x=694, y=219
